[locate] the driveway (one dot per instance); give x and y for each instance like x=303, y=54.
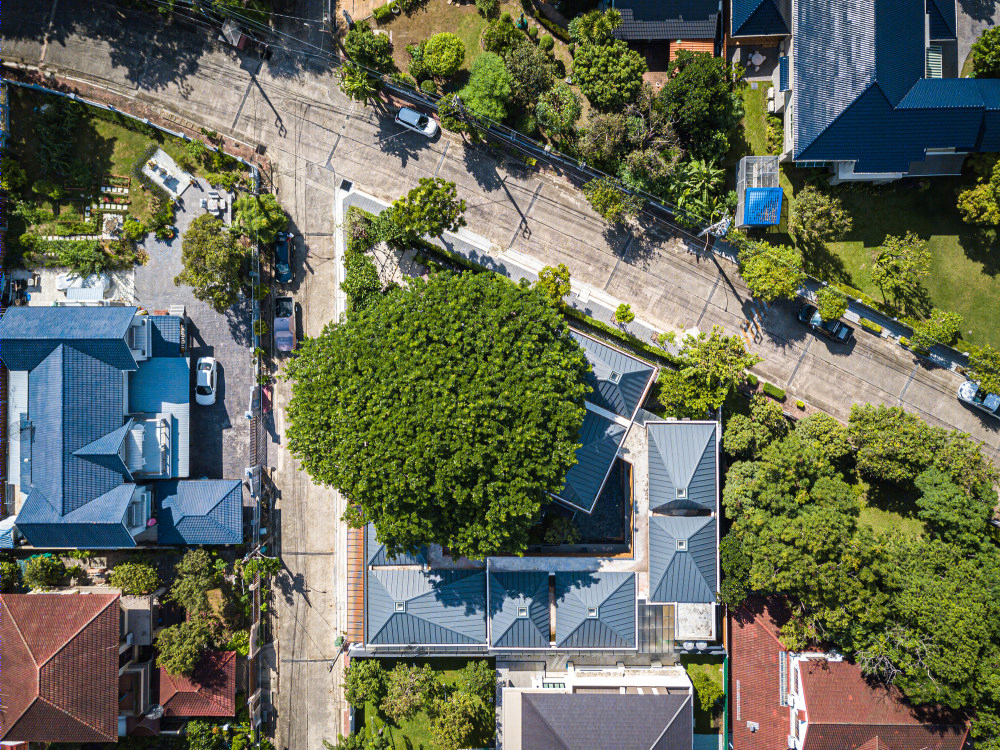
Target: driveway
x=974, y=17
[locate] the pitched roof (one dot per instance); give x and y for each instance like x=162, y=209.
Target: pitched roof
x=210, y=691
x=163, y=386
x=29, y=334
x=760, y=17
x=682, y=466
x=682, y=575
x=100, y=524
x=59, y=681
x=942, y=19
x=856, y=64
x=512, y=594
x=595, y=610
x=375, y=552
x=606, y=721
x=667, y=19
x=846, y=713
x=600, y=439
x=619, y=380
x=406, y=607
x=200, y=511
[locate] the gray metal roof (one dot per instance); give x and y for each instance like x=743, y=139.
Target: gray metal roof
x=667, y=19
x=619, y=380
x=29, y=334
x=600, y=440
x=409, y=606
x=606, y=721
x=682, y=461
x=200, y=511
x=682, y=575
x=612, y=595
x=375, y=552
x=510, y=595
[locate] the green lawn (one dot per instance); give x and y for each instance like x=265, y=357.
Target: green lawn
x=755, y=118
x=704, y=722
x=891, y=510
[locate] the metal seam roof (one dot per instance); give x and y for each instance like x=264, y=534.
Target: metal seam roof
x=408, y=606
x=682, y=456
x=600, y=440
x=375, y=552
x=511, y=592
x=578, y=595
x=682, y=575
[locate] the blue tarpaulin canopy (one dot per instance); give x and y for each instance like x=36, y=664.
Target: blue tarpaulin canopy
x=762, y=207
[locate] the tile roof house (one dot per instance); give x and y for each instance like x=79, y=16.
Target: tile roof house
x=100, y=398
x=861, y=91
x=203, y=511
x=210, y=691
x=667, y=20
x=760, y=18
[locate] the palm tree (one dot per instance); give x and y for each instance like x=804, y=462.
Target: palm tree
x=357, y=84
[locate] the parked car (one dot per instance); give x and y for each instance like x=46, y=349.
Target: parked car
x=284, y=324
x=207, y=381
x=832, y=329
x=283, y=257
x=973, y=395
x=418, y=122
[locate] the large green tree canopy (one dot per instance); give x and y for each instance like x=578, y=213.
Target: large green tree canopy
x=445, y=412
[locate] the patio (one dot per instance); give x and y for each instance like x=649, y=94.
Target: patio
x=163, y=171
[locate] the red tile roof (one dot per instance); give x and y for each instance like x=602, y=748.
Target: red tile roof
x=210, y=691
x=846, y=712
x=59, y=678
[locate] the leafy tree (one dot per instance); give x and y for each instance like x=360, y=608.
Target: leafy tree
x=984, y=368
x=361, y=284
x=609, y=75
x=213, y=263
x=949, y=512
x=709, y=691
x=746, y=436
x=364, y=682
x=900, y=264
x=531, y=70
x=701, y=102
x=479, y=678
x=980, y=205
x=557, y=110
x=430, y=208
x=562, y=530
x=10, y=577
x=826, y=434
x=942, y=327
x=818, y=217
x=458, y=720
x=595, y=26
x=624, y=314
x=444, y=54
x=831, y=303
x=698, y=187
x=260, y=217
x=986, y=54
x=43, y=572
x=488, y=8
x=357, y=84
x=133, y=230
x=501, y=35
x=612, y=203
x=179, y=647
x=369, y=49
x=408, y=690
x=197, y=150
x=200, y=735
x=12, y=175
x=135, y=578
x=736, y=571
x=489, y=89
x=606, y=140
x=369, y=399
x=892, y=444
x=771, y=271
x=196, y=574
x=553, y=283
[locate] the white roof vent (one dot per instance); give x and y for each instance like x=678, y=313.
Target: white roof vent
x=591, y=611
x=682, y=545
x=400, y=606
x=522, y=611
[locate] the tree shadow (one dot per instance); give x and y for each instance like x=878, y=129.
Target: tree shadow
x=820, y=261
x=982, y=246
x=482, y=166
x=395, y=140
x=240, y=327
x=979, y=10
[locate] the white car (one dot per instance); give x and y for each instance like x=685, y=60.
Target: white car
x=207, y=381
x=973, y=395
x=418, y=122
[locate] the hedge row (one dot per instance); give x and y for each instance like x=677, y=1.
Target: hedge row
x=774, y=391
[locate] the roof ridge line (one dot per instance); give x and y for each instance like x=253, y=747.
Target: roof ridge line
x=873, y=84
x=551, y=728
x=24, y=641
x=81, y=628
x=69, y=715
x=677, y=712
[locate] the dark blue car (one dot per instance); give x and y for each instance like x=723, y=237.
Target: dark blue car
x=283, y=257
x=832, y=329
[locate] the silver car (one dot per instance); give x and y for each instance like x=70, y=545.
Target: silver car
x=284, y=324
x=973, y=395
x=207, y=381
x=418, y=122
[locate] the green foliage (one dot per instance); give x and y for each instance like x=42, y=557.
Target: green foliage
x=701, y=103
x=365, y=682
x=259, y=217
x=408, y=690
x=818, y=217
x=984, y=368
x=735, y=568
x=196, y=574
x=699, y=187
x=12, y=175
x=752, y=380
x=546, y=43
x=10, y=577
x=942, y=327
x=357, y=84
x=709, y=692
x=240, y=643
x=133, y=230
x=430, y=208
x=197, y=150
x=533, y=32
x=200, y=735
x=444, y=54
x=488, y=8
x=553, y=283
x=773, y=391
x=43, y=572
x=84, y=257
x=383, y=13
x=531, y=71
x=361, y=282
x=800, y=405
x=456, y=720
x=609, y=75
x=562, y=530
x=558, y=109
x=213, y=263
x=179, y=647
x=980, y=205
x=899, y=265
x=501, y=35
x=450, y=115
x=831, y=303
x=58, y=121
x=369, y=49
x=870, y=325
x=746, y=436
x=135, y=578
x=612, y=203
x=479, y=678
x=771, y=272
x=624, y=314
x=595, y=27
x=489, y=89
x=949, y=512
x=986, y=54
x=260, y=327
x=428, y=86
x=368, y=395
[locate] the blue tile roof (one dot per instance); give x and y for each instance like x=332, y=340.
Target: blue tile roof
x=760, y=18
x=163, y=386
x=375, y=552
x=409, y=606
x=106, y=450
x=166, y=335
x=648, y=20
x=682, y=456
x=99, y=524
x=600, y=439
x=942, y=19
x=762, y=206
x=860, y=94
x=510, y=595
x=595, y=610
x=200, y=511
x=619, y=380
x=687, y=575
x=29, y=334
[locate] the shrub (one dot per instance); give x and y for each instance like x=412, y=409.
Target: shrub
x=667, y=337
x=488, y=8
x=443, y=54
x=10, y=577
x=43, y=572
x=831, y=303
x=135, y=578
x=367, y=48
x=260, y=328
x=133, y=230
x=240, y=643
x=361, y=281
x=383, y=13
x=533, y=32
x=428, y=86
x=197, y=573
x=546, y=43
x=501, y=35
x=180, y=646
x=800, y=405
x=709, y=691
x=871, y=325
x=624, y=314
x=774, y=391
x=562, y=530
x=904, y=342
x=752, y=380
x=364, y=682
